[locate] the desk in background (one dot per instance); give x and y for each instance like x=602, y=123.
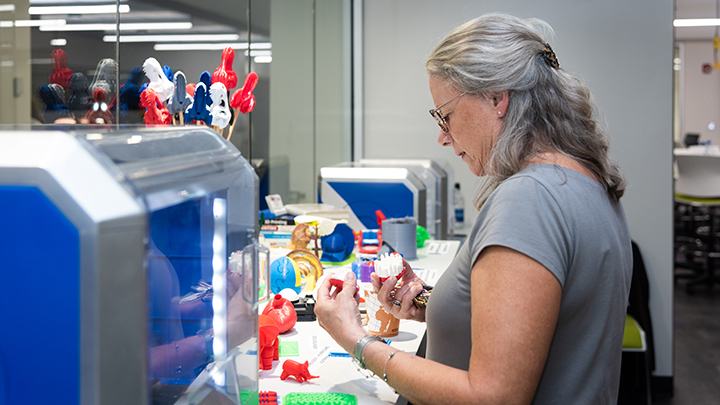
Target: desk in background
x=340, y=374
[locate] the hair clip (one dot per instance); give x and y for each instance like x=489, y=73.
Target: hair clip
x=550, y=57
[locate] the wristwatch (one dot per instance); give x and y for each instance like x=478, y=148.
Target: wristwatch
x=360, y=345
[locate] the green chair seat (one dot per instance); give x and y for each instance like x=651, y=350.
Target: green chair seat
x=633, y=335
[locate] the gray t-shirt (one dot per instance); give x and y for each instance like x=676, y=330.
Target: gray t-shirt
x=566, y=222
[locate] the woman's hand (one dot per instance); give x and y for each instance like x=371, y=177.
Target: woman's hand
x=338, y=312
x=399, y=301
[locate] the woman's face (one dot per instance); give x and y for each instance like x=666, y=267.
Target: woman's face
x=473, y=123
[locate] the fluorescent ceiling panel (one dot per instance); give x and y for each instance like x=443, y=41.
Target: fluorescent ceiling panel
x=147, y=26
x=39, y=23
x=96, y=9
x=696, y=22
x=173, y=38
x=210, y=47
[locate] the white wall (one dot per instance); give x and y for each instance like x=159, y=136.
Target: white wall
x=700, y=92
x=622, y=49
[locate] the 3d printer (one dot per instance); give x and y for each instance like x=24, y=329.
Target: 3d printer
x=117, y=245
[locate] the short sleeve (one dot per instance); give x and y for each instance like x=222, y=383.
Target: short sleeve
x=523, y=215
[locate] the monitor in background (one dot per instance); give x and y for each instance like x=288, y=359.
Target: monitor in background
x=691, y=139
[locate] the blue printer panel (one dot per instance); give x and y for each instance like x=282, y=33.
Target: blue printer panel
x=40, y=263
x=395, y=200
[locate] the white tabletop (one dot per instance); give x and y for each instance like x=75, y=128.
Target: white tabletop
x=340, y=374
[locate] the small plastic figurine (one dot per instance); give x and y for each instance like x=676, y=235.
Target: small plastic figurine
x=80, y=98
x=155, y=111
x=130, y=91
x=199, y=111
x=61, y=73
x=159, y=82
x=389, y=264
x=243, y=98
x=180, y=100
x=298, y=370
x=219, y=108
x=205, y=78
x=268, y=342
x=224, y=73
x=55, y=107
x=301, y=236
x=100, y=112
x=282, y=312
x=105, y=80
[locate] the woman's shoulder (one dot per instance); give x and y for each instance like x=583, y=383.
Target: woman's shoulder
x=553, y=178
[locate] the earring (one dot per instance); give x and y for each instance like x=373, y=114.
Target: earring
x=499, y=112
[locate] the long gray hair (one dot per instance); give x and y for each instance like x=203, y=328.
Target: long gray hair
x=548, y=108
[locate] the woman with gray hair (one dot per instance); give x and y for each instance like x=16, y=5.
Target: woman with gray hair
x=532, y=309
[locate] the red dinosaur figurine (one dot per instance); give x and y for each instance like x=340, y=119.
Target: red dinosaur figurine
x=297, y=370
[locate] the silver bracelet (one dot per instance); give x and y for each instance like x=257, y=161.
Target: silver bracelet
x=360, y=346
x=207, y=335
x=384, y=377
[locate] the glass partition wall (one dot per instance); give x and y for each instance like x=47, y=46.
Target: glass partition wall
x=55, y=55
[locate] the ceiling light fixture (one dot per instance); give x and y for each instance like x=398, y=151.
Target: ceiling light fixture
x=58, y=42
x=172, y=38
x=258, y=52
x=210, y=47
x=7, y=8
x=39, y=23
x=154, y=26
x=101, y=9
x=696, y=22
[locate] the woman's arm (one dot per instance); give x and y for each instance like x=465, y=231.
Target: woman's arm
x=515, y=305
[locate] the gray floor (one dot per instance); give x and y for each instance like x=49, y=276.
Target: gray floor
x=697, y=347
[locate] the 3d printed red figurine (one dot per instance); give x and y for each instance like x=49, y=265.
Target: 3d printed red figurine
x=297, y=370
x=282, y=311
x=268, y=342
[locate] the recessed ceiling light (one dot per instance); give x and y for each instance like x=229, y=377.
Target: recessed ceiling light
x=98, y=9
x=39, y=23
x=210, y=46
x=147, y=26
x=173, y=38
x=696, y=22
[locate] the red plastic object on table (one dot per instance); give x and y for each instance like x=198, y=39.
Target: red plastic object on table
x=297, y=370
x=155, y=112
x=268, y=342
x=282, y=311
x=338, y=283
x=225, y=73
x=243, y=98
x=367, y=248
x=268, y=398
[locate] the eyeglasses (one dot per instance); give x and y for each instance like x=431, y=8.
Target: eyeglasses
x=438, y=115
